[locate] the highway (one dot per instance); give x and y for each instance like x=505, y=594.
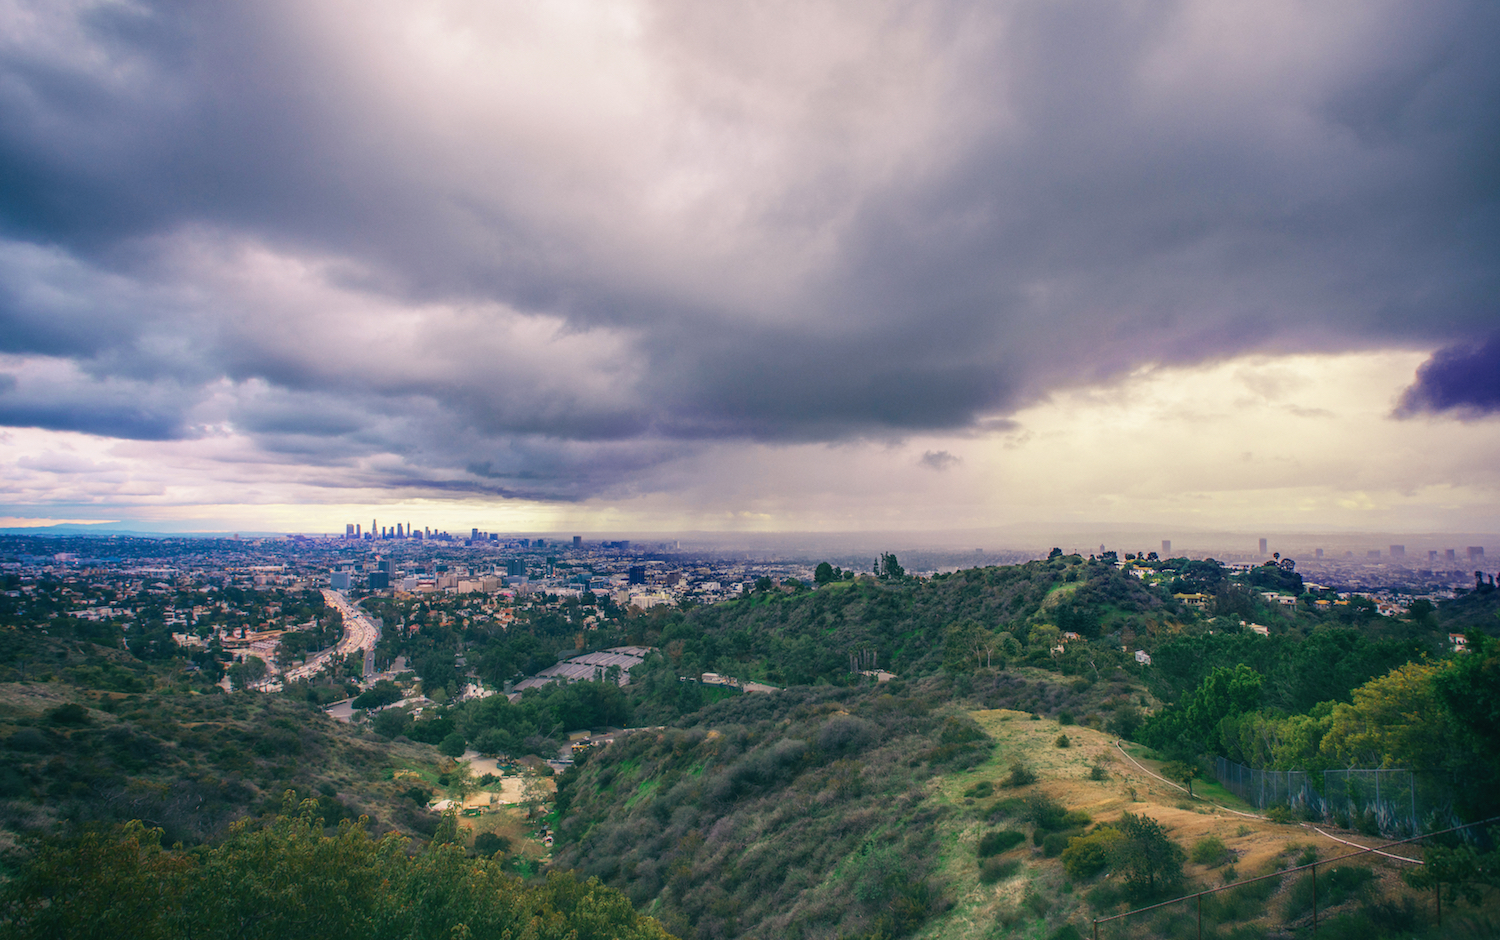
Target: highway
x=360, y=633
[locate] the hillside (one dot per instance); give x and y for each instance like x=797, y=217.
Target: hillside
x=867, y=813
x=181, y=756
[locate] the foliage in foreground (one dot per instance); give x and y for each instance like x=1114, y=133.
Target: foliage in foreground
x=283, y=877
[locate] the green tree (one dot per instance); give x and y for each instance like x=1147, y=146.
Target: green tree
x=1147, y=861
x=1183, y=771
x=453, y=745
x=889, y=568
x=1192, y=726
x=246, y=673
x=823, y=573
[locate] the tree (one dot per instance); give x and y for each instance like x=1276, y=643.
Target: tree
x=1184, y=772
x=889, y=568
x=823, y=573
x=1144, y=857
x=246, y=673
x=1192, y=726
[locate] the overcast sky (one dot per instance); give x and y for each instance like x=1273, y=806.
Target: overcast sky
x=802, y=265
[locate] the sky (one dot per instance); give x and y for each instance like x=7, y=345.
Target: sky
x=640, y=266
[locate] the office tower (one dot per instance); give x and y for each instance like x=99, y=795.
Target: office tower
x=1398, y=551
x=474, y=534
x=1450, y=556
x=636, y=574
x=1476, y=554
x=1432, y=556
x=1262, y=546
x=1318, y=553
x=1166, y=548
x=359, y=531
x=349, y=531
x=515, y=567
x=379, y=580
x=339, y=580
x=577, y=541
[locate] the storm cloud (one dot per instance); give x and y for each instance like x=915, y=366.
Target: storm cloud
x=1463, y=378
x=548, y=250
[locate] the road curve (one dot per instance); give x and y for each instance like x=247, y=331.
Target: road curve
x=360, y=633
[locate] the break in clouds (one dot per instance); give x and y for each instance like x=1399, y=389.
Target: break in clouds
x=543, y=250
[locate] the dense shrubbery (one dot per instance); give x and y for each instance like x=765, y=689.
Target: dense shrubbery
x=801, y=812
x=282, y=877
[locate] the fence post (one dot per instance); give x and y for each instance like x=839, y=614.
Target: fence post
x=1315, y=898
x=1200, y=915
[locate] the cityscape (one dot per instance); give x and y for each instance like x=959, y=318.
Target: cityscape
x=644, y=470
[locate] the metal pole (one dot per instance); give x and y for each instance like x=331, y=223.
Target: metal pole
x=1315, y=898
x=1200, y=917
x=1096, y=928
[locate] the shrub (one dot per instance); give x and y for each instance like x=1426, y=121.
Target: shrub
x=1054, y=843
x=1010, y=807
x=70, y=713
x=1065, y=717
x=1001, y=840
x=1020, y=776
x=1062, y=741
x=1105, y=897
x=980, y=790
x=992, y=870
x=1097, y=772
x=1086, y=856
x=1279, y=814
x=488, y=843
x=1038, y=904
x=1046, y=813
x=1334, y=888
x=1211, y=851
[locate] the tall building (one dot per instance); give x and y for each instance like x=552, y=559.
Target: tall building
x=1476, y=554
x=1450, y=555
x=339, y=580
x=474, y=534
x=1318, y=553
x=1262, y=546
x=1166, y=548
x=349, y=531
x=1398, y=551
x=1432, y=556
x=577, y=541
x=636, y=574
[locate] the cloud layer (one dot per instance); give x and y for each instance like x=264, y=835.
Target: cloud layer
x=555, y=251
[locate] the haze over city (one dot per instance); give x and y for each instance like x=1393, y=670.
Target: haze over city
x=998, y=275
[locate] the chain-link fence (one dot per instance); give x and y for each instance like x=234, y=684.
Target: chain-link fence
x=1386, y=801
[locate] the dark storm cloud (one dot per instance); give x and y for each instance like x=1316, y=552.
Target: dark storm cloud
x=532, y=262
x=1463, y=378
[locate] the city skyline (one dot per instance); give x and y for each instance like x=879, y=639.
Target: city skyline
x=648, y=268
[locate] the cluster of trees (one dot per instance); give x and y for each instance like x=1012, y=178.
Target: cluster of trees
x=284, y=876
x=537, y=723
x=1439, y=718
